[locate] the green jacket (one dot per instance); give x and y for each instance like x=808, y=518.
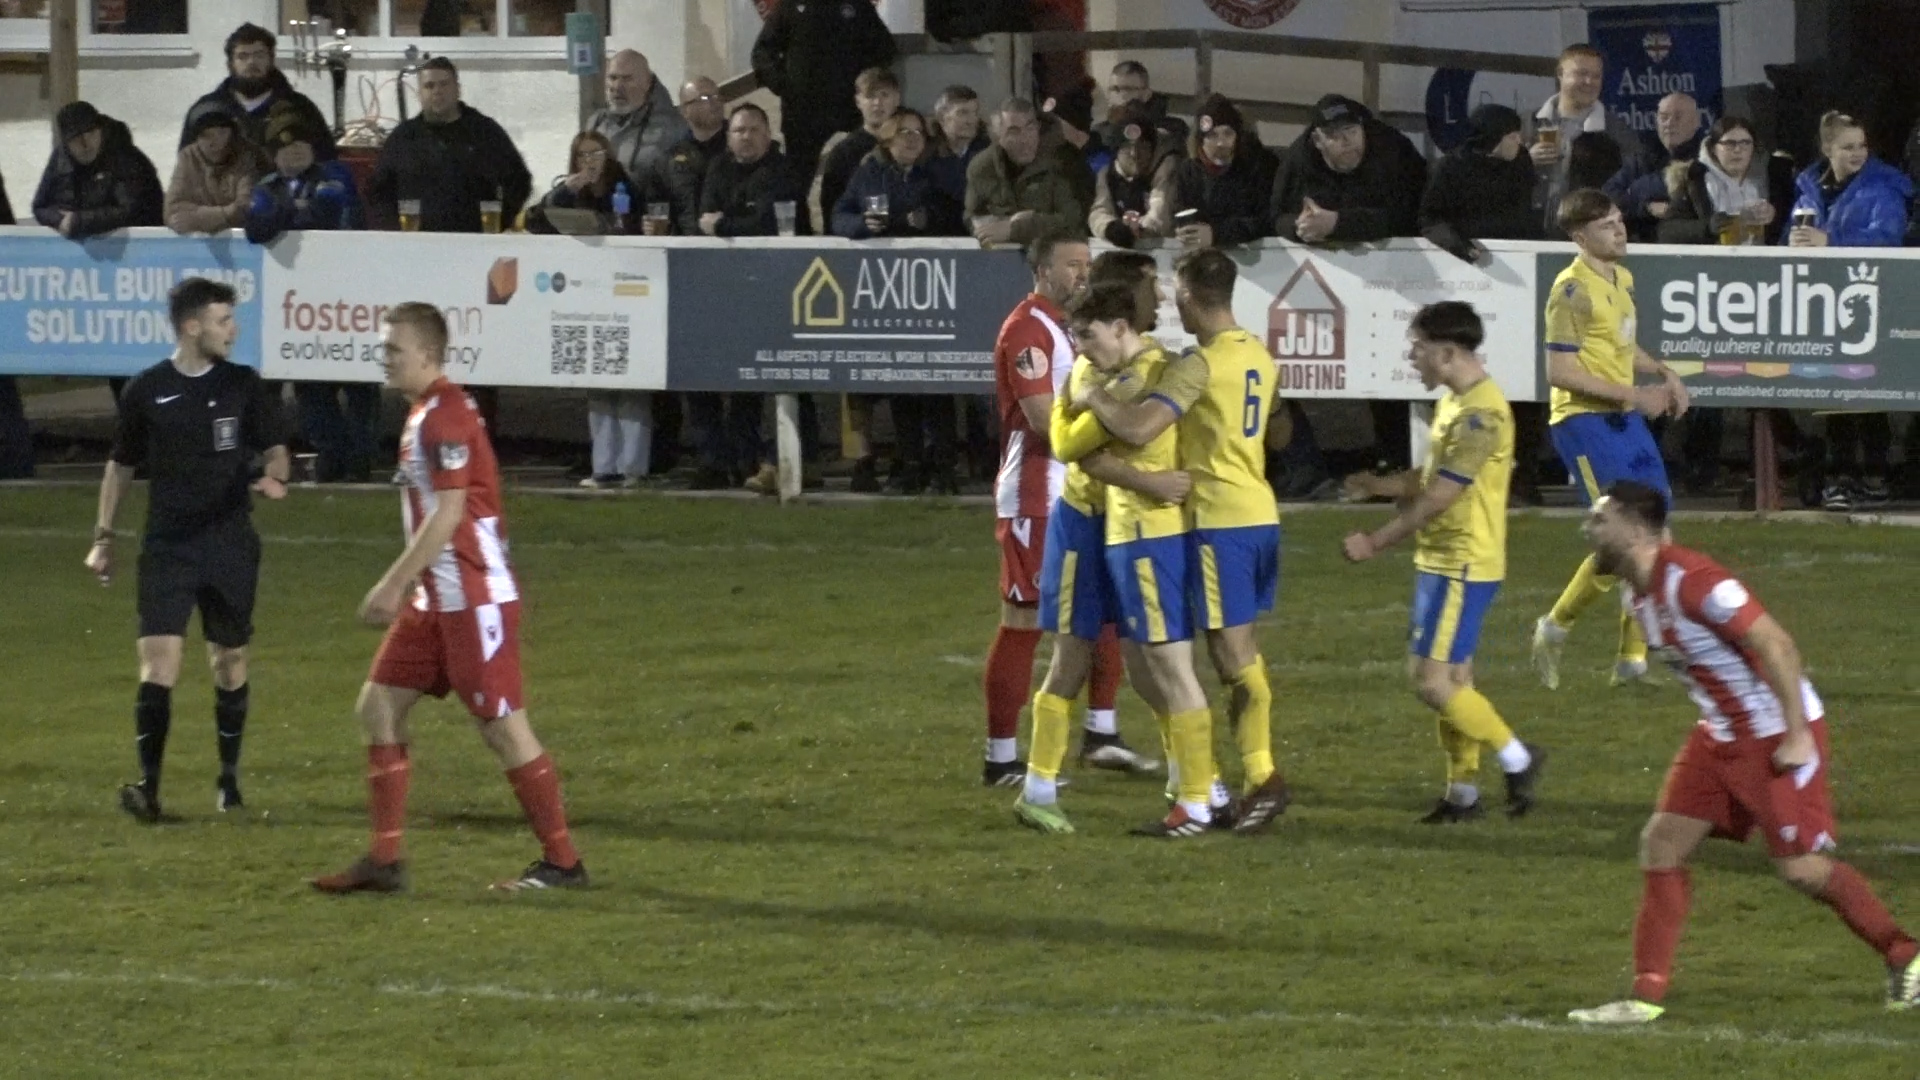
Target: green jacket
x=998, y=188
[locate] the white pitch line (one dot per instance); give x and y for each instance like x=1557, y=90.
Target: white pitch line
x=1720, y=1033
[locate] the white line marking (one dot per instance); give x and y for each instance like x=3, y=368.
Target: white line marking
x=647, y=999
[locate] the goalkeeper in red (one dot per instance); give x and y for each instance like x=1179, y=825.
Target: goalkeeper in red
x=452, y=611
x=1756, y=761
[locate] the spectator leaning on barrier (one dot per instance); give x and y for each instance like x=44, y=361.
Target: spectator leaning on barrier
x=301, y=192
x=1640, y=187
x=1133, y=195
x=808, y=54
x=1852, y=199
x=1349, y=177
x=877, y=94
x=592, y=178
x=957, y=138
x=1482, y=189
x=639, y=121
x=1221, y=188
x=450, y=159
x=683, y=171
x=1130, y=92
x=1575, y=108
x=213, y=176
x=1012, y=191
x=96, y=181
x=254, y=86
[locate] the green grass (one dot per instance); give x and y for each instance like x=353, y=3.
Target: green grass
x=768, y=721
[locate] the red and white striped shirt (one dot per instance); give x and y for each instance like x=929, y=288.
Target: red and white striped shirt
x=1034, y=355
x=1695, y=616
x=444, y=447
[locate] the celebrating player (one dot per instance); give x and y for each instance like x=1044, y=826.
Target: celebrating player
x=1221, y=395
x=200, y=550
x=452, y=612
x=1599, y=417
x=1757, y=759
x=1456, y=508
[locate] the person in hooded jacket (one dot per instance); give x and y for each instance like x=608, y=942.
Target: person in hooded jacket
x=1483, y=190
x=300, y=193
x=213, y=176
x=1349, y=178
x=1223, y=182
x=1733, y=186
x=97, y=180
x=253, y=86
x=1133, y=195
x=1856, y=200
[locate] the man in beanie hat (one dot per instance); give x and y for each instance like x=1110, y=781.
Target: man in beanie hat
x=253, y=87
x=96, y=180
x=1133, y=195
x=1483, y=189
x=213, y=176
x=1221, y=187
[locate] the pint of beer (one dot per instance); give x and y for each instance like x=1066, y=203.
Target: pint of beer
x=410, y=215
x=490, y=216
x=1549, y=135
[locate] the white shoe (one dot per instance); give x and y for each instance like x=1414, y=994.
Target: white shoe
x=1119, y=757
x=1629, y=1011
x=1903, y=987
x=1549, y=638
x=1626, y=672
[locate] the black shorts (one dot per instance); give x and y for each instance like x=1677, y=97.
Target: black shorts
x=216, y=571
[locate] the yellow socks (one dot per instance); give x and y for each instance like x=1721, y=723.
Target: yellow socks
x=1192, y=738
x=1052, y=723
x=1463, y=753
x=1633, y=640
x=1468, y=712
x=1587, y=586
x=1251, y=709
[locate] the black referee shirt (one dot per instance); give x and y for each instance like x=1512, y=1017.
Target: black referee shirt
x=197, y=438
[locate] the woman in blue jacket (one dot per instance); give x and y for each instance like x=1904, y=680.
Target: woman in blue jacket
x=1856, y=200
x=897, y=173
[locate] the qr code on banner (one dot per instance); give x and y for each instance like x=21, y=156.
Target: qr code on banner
x=610, y=350
x=568, y=348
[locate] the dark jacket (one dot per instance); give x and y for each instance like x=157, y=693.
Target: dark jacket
x=253, y=122
x=950, y=169
x=1642, y=181
x=327, y=190
x=679, y=177
x=563, y=197
x=6, y=208
x=1172, y=130
x=451, y=168
x=120, y=190
x=1474, y=195
x=996, y=187
x=1693, y=220
x=837, y=167
x=1234, y=200
x=809, y=53
x=744, y=195
x=1377, y=200
x=1869, y=211
x=906, y=190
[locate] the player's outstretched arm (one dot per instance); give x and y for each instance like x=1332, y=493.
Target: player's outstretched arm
x=1167, y=486
x=113, y=488
x=384, y=599
x=1137, y=423
x=1431, y=502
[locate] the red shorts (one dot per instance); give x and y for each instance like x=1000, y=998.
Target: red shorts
x=1023, y=544
x=1735, y=786
x=473, y=653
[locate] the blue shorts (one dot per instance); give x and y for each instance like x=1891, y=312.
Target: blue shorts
x=1076, y=594
x=1150, y=581
x=1601, y=448
x=1447, y=613
x=1232, y=574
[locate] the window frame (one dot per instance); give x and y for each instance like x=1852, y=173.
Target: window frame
x=498, y=45
x=35, y=36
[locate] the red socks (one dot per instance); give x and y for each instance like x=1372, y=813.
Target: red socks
x=537, y=786
x=1851, y=898
x=1103, y=687
x=388, y=771
x=1009, y=680
x=1656, y=932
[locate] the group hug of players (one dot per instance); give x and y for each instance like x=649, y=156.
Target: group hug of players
x=1132, y=498
x=1134, y=516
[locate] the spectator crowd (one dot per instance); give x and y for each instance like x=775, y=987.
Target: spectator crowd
x=853, y=161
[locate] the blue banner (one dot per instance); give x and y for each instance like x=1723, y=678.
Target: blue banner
x=100, y=307
x=1655, y=51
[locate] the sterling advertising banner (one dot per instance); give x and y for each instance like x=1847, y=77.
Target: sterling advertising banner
x=522, y=310
x=100, y=307
x=1778, y=326
x=872, y=318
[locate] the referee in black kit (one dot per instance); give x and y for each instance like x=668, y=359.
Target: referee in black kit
x=195, y=422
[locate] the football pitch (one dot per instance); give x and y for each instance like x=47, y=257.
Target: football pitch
x=768, y=720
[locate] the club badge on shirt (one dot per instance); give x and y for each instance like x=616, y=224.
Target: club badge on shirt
x=226, y=433
x=453, y=456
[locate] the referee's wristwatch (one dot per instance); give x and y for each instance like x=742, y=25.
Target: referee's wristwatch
x=102, y=536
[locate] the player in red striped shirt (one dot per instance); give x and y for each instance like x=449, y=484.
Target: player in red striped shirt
x=1757, y=759
x=452, y=611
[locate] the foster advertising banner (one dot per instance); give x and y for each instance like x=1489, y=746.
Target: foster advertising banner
x=522, y=310
x=100, y=307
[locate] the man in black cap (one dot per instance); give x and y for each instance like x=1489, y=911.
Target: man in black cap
x=97, y=180
x=450, y=158
x=1220, y=189
x=253, y=86
x=1349, y=177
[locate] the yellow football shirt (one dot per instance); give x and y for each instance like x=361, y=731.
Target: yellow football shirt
x=1224, y=391
x=1131, y=515
x=1473, y=444
x=1594, y=318
x=1082, y=492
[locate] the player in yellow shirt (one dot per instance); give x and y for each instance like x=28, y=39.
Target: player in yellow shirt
x=1456, y=508
x=1599, y=417
x=1220, y=395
